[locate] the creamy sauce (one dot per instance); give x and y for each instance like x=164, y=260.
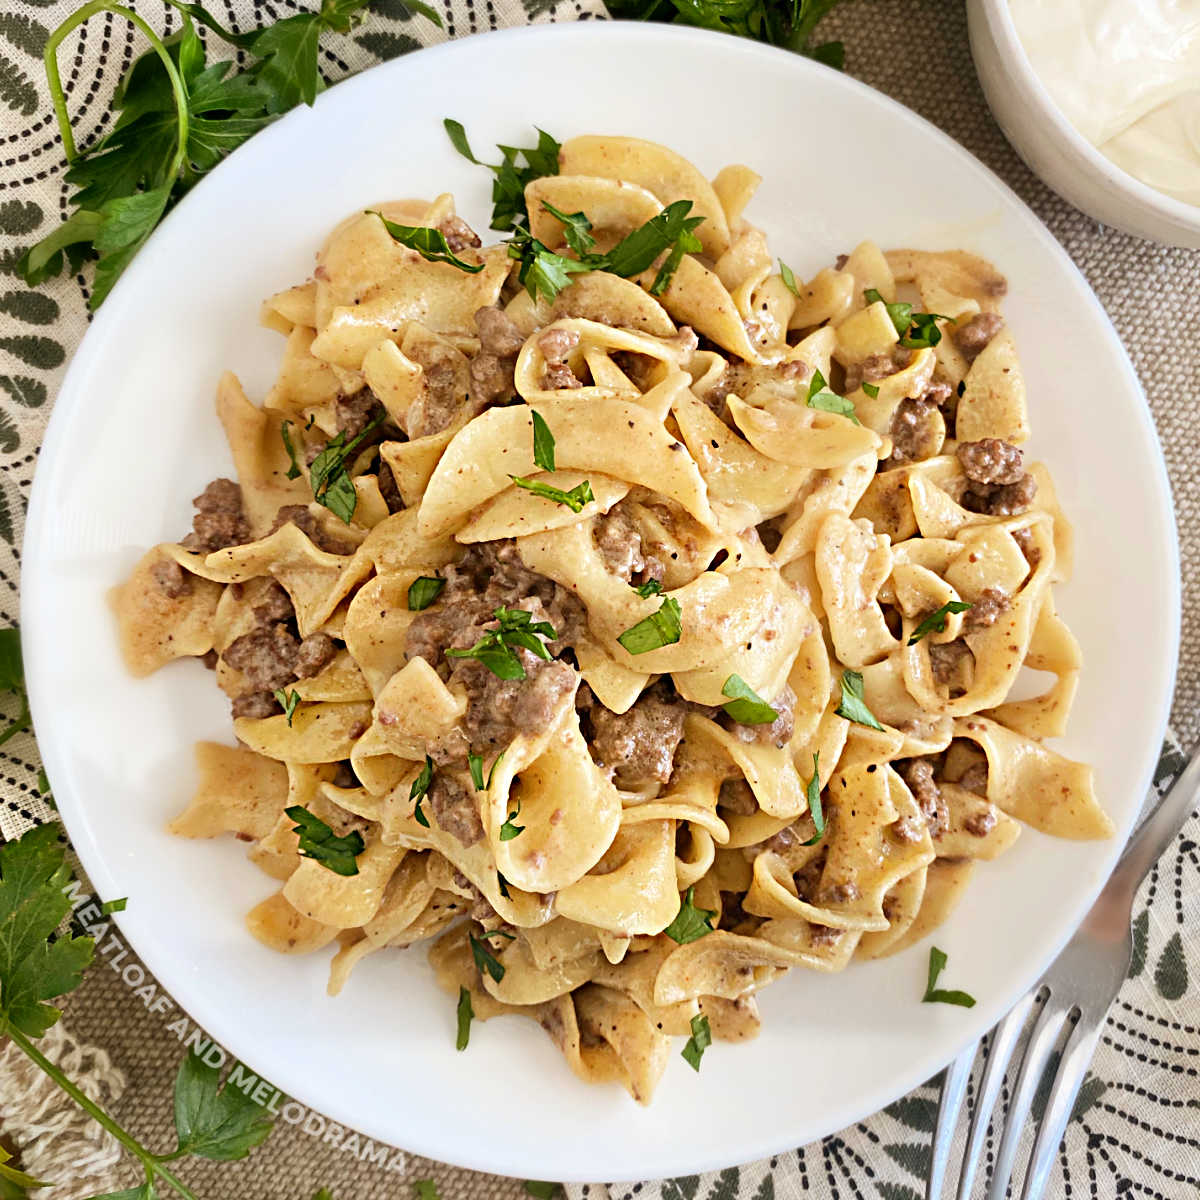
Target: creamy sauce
x=1126, y=74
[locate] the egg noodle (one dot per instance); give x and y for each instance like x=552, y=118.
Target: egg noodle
x=634, y=636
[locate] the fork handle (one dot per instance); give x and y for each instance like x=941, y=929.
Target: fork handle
x=1155, y=834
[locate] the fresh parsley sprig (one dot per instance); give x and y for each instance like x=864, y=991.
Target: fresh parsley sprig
x=813, y=794
x=177, y=118
x=510, y=829
x=543, y=443
x=423, y=591
x=39, y=964
x=419, y=790
x=916, y=329
x=288, y=702
x=466, y=1014
x=575, y=499
x=485, y=960
x=497, y=649
x=475, y=766
x=319, y=842
x=776, y=22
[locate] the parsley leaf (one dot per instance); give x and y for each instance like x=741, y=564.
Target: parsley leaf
x=214, y=1121
x=663, y=628
x=36, y=963
x=510, y=177
x=475, y=765
x=789, y=278
x=330, y=480
x=690, y=923
x=543, y=443
x=671, y=230
x=575, y=499
x=293, y=472
x=420, y=789
x=577, y=230
x=496, y=650
x=429, y=243
x=510, y=829
x=936, y=621
x=745, y=705
x=542, y=272
x=813, y=792
x=820, y=397
x=485, y=960
x=650, y=588
x=12, y=679
x=934, y=994
x=465, y=1015
x=853, y=707
x=287, y=701
x=319, y=842
x=422, y=592
x=924, y=331
x=900, y=314
x=700, y=1041
x=872, y=389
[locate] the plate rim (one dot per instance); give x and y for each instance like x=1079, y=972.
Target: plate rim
x=459, y=1150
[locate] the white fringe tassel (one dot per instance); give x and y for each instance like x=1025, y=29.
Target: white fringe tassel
x=58, y=1141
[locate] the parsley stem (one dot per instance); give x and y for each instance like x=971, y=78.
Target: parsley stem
x=152, y=1165
x=58, y=96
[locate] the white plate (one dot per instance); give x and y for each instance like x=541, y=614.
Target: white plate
x=133, y=438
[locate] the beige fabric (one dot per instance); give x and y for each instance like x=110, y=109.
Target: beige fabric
x=916, y=50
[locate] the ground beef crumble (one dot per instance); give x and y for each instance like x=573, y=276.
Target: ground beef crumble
x=639, y=745
x=972, y=337
x=219, y=521
x=997, y=483
x=918, y=774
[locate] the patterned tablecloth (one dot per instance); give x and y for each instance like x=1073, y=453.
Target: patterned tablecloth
x=1136, y=1127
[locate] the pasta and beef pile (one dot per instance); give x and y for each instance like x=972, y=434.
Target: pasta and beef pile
x=626, y=617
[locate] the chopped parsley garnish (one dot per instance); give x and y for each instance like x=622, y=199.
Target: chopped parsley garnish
x=659, y=629
x=543, y=443
x=789, y=279
x=496, y=650
x=672, y=230
x=423, y=591
x=700, y=1041
x=936, y=995
x=577, y=230
x=419, y=790
x=690, y=923
x=575, y=499
x=510, y=829
x=542, y=272
x=485, y=960
x=475, y=765
x=319, y=842
x=853, y=707
x=916, y=329
x=820, y=397
x=465, y=1015
x=510, y=176
x=331, y=482
x=813, y=792
x=287, y=701
x=429, y=243
x=293, y=472
x=650, y=588
x=745, y=705
x=872, y=389
x=936, y=621
x=502, y=883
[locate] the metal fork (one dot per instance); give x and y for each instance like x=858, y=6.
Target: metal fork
x=1079, y=989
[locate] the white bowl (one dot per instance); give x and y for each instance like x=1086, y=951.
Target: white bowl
x=1055, y=149
x=133, y=436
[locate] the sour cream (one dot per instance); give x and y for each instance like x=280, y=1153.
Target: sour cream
x=1126, y=74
